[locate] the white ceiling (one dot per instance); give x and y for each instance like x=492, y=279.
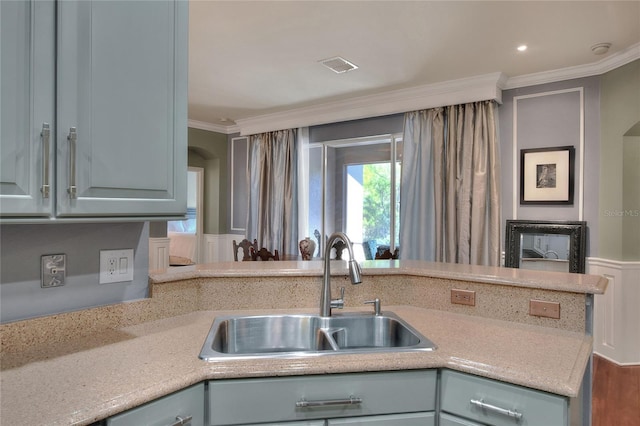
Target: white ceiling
x=252, y=59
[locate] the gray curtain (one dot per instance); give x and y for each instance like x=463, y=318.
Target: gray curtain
x=272, y=216
x=450, y=193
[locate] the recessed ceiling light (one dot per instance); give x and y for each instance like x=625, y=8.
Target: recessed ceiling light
x=338, y=64
x=522, y=48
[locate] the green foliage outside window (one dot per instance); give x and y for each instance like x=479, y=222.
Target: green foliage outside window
x=377, y=203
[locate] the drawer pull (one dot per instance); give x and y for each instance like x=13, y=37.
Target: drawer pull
x=323, y=403
x=45, y=134
x=72, y=138
x=497, y=410
x=182, y=421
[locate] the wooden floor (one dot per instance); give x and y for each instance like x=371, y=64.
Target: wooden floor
x=616, y=394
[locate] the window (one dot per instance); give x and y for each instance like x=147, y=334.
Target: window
x=354, y=187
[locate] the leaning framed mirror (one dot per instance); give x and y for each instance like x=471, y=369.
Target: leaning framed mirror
x=546, y=245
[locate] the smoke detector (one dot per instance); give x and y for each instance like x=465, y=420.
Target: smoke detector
x=600, y=48
x=338, y=65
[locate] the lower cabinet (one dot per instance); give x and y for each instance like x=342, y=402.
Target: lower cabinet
x=494, y=403
x=398, y=398
x=392, y=398
x=182, y=408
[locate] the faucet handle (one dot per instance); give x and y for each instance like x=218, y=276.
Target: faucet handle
x=338, y=303
x=376, y=306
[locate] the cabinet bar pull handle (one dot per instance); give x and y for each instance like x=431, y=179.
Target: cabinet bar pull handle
x=44, y=134
x=181, y=421
x=72, y=138
x=497, y=410
x=324, y=402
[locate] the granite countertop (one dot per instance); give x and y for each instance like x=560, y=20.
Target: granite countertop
x=84, y=380
x=560, y=281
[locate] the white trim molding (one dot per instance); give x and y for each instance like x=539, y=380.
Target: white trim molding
x=159, y=253
x=236, y=226
x=218, y=128
x=616, y=313
x=579, y=159
x=453, y=92
x=604, y=65
x=219, y=247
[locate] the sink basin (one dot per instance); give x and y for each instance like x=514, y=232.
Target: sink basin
x=352, y=332
x=310, y=335
x=267, y=334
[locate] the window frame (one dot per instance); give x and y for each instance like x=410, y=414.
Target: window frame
x=393, y=139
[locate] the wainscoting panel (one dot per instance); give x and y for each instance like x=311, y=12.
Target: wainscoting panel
x=219, y=247
x=617, y=312
x=159, y=253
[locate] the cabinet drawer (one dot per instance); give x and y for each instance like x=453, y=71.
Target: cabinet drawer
x=412, y=419
x=244, y=401
x=448, y=420
x=535, y=407
x=303, y=423
x=164, y=411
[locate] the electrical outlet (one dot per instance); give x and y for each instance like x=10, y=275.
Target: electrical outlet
x=463, y=297
x=116, y=266
x=543, y=308
x=53, y=267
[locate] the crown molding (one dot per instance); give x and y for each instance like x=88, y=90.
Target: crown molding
x=596, y=68
x=218, y=128
x=451, y=92
x=483, y=87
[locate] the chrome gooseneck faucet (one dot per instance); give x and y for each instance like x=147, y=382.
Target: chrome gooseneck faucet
x=354, y=274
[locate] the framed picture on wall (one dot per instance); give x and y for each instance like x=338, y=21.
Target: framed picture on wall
x=547, y=175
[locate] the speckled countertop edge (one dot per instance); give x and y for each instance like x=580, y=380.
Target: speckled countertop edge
x=575, y=283
x=142, y=362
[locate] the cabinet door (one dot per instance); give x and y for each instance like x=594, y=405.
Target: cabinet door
x=182, y=405
x=27, y=46
x=122, y=85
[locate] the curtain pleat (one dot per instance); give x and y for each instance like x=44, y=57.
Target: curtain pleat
x=450, y=196
x=417, y=205
x=272, y=216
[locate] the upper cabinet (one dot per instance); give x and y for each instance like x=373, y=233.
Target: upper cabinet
x=94, y=109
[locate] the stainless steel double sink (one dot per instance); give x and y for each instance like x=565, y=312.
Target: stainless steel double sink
x=310, y=335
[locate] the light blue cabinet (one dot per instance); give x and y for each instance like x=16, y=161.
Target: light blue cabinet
x=182, y=408
x=398, y=398
x=27, y=88
x=118, y=121
x=494, y=403
x=362, y=398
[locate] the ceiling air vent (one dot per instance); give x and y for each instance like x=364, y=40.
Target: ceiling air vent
x=338, y=65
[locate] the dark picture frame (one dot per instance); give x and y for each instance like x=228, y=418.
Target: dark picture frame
x=576, y=230
x=547, y=175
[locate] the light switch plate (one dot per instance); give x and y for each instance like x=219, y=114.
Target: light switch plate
x=53, y=267
x=116, y=266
